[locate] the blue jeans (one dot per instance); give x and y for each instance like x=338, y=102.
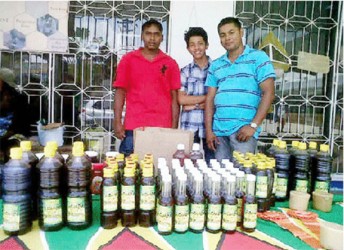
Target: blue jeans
x=127, y=144
x=208, y=153
x=228, y=144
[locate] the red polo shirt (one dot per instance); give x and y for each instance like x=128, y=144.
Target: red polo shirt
x=148, y=86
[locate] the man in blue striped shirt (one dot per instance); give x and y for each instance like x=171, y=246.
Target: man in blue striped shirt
x=192, y=93
x=240, y=92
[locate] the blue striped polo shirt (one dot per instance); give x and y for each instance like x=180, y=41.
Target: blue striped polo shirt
x=238, y=92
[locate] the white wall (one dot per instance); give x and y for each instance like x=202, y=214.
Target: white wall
x=205, y=14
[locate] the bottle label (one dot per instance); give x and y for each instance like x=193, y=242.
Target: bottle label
x=250, y=216
x=181, y=218
x=52, y=211
x=128, y=197
x=275, y=183
x=165, y=219
x=262, y=187
x=110, y=198
x=147, y=197
x=11, y=217
x=214, y=216
x=239, y=219
x=281, y=187
x=229, y=217
x=197, y=217
x=302, y=185
x=321, y=186
x=76, y=210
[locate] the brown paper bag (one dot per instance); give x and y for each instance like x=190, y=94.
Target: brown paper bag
x=161, y=142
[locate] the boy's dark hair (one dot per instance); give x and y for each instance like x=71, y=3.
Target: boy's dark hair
x=195, y=31
x=151, y=22
x=228, y=20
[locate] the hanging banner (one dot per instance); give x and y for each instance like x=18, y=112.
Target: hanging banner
x=34, y=26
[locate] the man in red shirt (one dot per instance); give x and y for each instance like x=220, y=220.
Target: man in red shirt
x=147, y=80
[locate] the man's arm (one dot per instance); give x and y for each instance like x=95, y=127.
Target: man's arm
x=209, y=113
x=190, y=102
x=268, y=95
x=175, y=109
x=118, y=109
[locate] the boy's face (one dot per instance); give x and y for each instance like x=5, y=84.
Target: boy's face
x=230, y=37
x=152, y=37
x=197, y=47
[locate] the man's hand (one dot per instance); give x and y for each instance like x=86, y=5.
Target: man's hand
x=212, y=140
x=119, y=131
x=245, y=133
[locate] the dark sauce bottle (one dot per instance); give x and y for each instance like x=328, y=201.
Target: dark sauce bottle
x=229, y=214
x=262, y=187
x=128, y=188
x=109, y=199
x=250, y=205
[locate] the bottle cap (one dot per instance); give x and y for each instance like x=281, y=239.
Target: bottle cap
x=113, y=165
x=49, y=152
x=149, y=157
x=195, y=147
x=120, y=157
x=180, y=147
x=282, y=144
x=312, y=145
x=231, y=178
x=261, y=165
x=129, y=172
x=324, y=148
x=134, y=157
x=25, y=145
x=250, y=177
x=78, y=151
x=16, y=153
x=302, y=146
x=111, y=154
x=78, y=144
x=240, y=174
x=247, y=163
x=108, y=172
x=147, y=172
x=52, y=144
x=295, y=144
x=275, y=142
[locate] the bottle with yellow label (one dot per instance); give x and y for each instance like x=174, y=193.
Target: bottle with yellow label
x=229, y=213
x=165, y=207
x=249, y=210
x=239, y=194
x=147, y=196
x=181, y=208
x=109, y=199
x=213, y=221
x=128, y=191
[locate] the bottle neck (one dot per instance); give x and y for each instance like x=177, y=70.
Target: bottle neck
x=181, y=188
x=215, y=188
x=231, y=188
x=166, y=189
x=198, y=187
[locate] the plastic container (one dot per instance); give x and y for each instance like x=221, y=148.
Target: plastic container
x=299, y=200
x=331, y=235
x=195, y=153
x=55, y=134
x=180, y=154
x=322, y=201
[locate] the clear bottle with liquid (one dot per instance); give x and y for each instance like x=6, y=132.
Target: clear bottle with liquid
x=239, y=194
x=195, y=153
x=197, y=207
x=250, y=207
x=165, y=207
x=128, y=192
x=181, y=209
x=180, y=154
x=229, y=214
x=213, y=221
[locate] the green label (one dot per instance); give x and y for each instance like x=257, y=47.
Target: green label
x=250, y=216
x=302, y=185
x=11, y=217
x=52, y=211
x=181, y=217
x=165, y=218
x=76, y=211
x=239, y=217
x=262, y=187
x=321, y=186
x=110, y=198
x=281, y=187
x=128, y=197
x=214, y=216
x=229, y=217
x=197, y=216
x=147, y=197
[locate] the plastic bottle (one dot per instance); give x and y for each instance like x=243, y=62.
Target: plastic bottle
x=147, y=196
x=128, y=196
x=250, y=207
x=181, y=209
x=312, y=151
x=301, y=168
x=79, y=199
x=239, y=194
x=292, y=151
x=229, y=214
x=16, y=194
x=197, y=207
x=272, y=176
x=301, y=183
x=271, y=151
x=282, y=157
x=282, y=180
x=109, y=199
x=180, y=154
x=323, y=169
x=213, y=221
x=51, y=214
x=262, y=187
x=165, y=207
x=195, y=153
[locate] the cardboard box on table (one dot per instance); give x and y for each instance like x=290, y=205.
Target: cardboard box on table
x=161, y=142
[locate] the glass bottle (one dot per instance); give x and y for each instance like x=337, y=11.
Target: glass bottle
x=239, y=194
x=229, y=214
x=213, y=220
x=262, y=187
x=197, y=207
x=181, y=215
x=128, y=196
x=147, y=196
x=250, y=205
x=165, y=207
x=109, y=199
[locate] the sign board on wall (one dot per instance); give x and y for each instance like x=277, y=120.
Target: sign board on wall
x=34, y=26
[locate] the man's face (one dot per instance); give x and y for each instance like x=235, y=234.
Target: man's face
x=230, y=37
x=151, y=37
x=197, y=47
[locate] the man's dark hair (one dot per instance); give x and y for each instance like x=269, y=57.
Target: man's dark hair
x=151, y=22
x=229, y=20
x=195, y=31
